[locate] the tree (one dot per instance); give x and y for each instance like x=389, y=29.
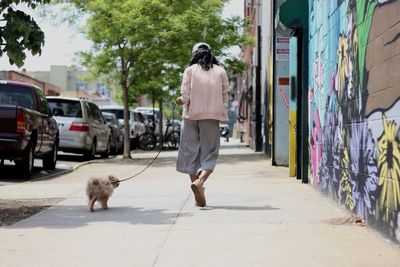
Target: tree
x=145, y=45
x=18, y=31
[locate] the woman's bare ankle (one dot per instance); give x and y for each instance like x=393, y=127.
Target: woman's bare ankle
x=193, y=177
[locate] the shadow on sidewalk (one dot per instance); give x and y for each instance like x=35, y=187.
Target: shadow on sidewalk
x=171, y=161
x=64, y=217
x=241, y=208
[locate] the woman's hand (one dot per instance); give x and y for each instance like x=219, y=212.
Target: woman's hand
x=179, y=101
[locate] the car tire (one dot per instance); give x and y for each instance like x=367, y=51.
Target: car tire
x=50, y=159
x=114, y=150
x=106, y=153
x=120, y=148
x=89, y=155
x=25, y=166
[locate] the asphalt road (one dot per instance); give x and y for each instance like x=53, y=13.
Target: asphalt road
x=9, y=174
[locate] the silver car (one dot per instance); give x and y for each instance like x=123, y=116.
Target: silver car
x=82, y=126
x=116, y=132
x=136, y=123
x=153, y=116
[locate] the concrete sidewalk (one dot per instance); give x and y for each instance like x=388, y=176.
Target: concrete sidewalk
x=256, y=216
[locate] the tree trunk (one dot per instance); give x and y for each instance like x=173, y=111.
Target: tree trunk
x=161, y=123
x=127, y=143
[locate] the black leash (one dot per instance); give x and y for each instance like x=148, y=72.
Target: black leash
x=130, y=177
x=161, y=147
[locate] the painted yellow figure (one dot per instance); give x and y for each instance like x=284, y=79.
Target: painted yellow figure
x=345, y=183
x=389, y=167
x=343, y=68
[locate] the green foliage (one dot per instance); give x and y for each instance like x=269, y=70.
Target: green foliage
x=145, y=45
x=18, y=31
x=235, y=66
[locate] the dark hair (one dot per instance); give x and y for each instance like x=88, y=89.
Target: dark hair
x=204, y=57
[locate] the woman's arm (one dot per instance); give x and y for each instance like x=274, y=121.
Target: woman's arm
x=225, y=87
x=185, y=88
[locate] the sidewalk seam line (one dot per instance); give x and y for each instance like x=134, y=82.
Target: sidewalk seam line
x=170, y=229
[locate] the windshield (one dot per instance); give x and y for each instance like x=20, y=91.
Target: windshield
x=17, y=96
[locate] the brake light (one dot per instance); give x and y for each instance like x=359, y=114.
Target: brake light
x=21, y=123
x=79, y=127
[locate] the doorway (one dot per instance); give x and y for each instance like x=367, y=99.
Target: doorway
x=298, y=110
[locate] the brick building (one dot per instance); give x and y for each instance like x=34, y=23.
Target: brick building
x=48, y=88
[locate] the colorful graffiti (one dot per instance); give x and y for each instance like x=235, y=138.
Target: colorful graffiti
x=354, y=83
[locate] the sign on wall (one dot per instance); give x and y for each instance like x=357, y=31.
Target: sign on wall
x=282, y=48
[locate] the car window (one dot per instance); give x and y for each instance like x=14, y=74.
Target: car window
x=114, y=120
x=102, y=118
x=108, y=118
x=65, y=108
x=97, y=116
x=90, y=112
x=119, y=113
x=17, y=95
x=139, y=117
x=44, y=107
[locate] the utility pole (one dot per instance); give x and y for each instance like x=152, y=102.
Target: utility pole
x=257, y=95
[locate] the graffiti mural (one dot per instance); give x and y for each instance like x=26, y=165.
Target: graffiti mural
x=354, y=100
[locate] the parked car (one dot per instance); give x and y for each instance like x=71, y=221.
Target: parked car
x=153, y=117
x=116, y=132
x=139, y=122
x=82, y=126
x=27, y=128
x=175, y=125
x=136, y=126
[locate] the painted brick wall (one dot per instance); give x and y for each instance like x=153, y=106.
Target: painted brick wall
x=354, y=100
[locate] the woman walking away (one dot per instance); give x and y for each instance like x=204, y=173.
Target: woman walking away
x=204, y=94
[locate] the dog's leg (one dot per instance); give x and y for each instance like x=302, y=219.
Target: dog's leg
x=91, y=204
x=104, y=203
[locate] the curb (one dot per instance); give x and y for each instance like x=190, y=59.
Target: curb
x=71, y=169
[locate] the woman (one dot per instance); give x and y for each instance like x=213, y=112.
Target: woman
x=204, y=94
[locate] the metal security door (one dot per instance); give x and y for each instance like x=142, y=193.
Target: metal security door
x=281, y=102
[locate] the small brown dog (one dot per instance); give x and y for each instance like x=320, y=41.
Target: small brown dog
x=99, y=189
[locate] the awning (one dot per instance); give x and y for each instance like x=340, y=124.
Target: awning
x=293, y=14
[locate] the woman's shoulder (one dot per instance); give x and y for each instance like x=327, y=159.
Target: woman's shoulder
x=191, y=67
x=219, y=68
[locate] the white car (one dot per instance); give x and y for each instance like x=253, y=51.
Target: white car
x=136, y=123
x=82, y=126
x=153, y=115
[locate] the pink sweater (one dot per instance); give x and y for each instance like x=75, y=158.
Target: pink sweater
x=204, y=93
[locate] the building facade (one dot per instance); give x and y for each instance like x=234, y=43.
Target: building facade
x=48, y=88
x=354, y=100
x=330, y=94
x=73, y=83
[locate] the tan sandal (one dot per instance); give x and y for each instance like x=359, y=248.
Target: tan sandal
x=198, y=191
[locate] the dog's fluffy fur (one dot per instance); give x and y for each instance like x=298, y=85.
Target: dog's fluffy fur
x=100, y=189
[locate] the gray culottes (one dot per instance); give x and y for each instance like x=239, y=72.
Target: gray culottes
x=199, y=146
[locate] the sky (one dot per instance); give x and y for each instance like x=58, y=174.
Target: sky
x=61, y=42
